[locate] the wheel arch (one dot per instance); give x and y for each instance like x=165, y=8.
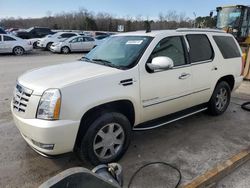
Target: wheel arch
x=16, y=47
x=229, y=79
x=67, y=47
x=123, y=106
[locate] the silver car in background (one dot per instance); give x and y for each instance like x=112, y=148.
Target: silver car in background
x=13, y=44
x=73, y=44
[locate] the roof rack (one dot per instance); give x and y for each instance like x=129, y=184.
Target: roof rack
x=199, y=30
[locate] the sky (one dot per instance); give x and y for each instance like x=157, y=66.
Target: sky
x=119, y=8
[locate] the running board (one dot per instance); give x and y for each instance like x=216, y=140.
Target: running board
x=168, y=119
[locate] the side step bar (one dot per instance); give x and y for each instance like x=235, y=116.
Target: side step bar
x=152, y=124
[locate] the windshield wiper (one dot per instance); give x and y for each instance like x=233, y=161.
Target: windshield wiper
x=105, y=62
x=85, y=59
x=102, y=61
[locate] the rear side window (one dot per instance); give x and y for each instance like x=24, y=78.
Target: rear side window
x=67, y=35
x=89, y=39
x=7, y=38
x=200, y=48
x=227, y=46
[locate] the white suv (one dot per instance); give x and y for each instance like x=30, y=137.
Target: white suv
x=46, y=42
x=133, y=81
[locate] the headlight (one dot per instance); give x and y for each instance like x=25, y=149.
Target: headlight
x=49, y=105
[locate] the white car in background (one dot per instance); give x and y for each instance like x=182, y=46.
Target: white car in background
x=13, y=44
x=47, y=41
x=73, y=44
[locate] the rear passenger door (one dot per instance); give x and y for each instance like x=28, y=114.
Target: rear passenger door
x=88, y=43
x=203, y=67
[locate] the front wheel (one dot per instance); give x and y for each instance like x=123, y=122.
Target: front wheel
x=220, y=99
x=107, y=139
x=65, y=50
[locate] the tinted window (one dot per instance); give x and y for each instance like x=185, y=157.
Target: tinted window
x=227, y=46
x=0, y=38
x=2, y=31
x=67, y=35
x=79, y=39
x=7, y=38
x=89, y=39
x=200, y=48
x=170, y=47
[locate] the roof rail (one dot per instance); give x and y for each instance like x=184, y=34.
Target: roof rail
x=199, y=30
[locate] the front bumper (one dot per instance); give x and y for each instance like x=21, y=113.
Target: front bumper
x=55, y=49
x=40, y=44
x=60, y=133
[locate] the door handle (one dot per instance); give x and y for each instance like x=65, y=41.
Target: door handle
x=184, y=76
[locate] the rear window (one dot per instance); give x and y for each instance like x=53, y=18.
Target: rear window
x=7, y=38
x=227, y=46
x=200, y=48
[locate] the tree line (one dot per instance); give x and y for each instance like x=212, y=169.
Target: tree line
x=85, y=20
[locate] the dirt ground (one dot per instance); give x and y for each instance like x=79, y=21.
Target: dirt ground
x=194, y=144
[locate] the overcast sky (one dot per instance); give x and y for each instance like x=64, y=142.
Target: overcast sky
x=119, y=8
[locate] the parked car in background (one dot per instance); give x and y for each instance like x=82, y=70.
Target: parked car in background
x=2, y=31
x=12, y=30
x=100, y=39
x=34, y=32
x=47, y=41
x=73, y=44
x=13, y=44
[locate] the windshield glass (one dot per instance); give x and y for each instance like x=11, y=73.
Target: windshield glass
x=119, y=51
x=228, y=17
x=28, y=30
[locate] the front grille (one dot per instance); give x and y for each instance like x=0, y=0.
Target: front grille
x=21, y=98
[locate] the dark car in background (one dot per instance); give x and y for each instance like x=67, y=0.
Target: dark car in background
x=34, y=32
x=2, y=31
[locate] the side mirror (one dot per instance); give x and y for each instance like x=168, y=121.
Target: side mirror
x=161, y=63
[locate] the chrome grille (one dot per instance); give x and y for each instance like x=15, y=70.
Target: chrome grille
x=21, y=98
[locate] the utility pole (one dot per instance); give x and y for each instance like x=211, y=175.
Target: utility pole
x=194, y=19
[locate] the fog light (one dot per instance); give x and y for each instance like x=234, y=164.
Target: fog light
x=43, y=146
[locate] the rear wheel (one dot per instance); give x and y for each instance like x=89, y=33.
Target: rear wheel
x=65, y=50
x=106, y=139
x=220, y=99
x=18, y=50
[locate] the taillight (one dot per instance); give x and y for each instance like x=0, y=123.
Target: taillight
x=244, y=55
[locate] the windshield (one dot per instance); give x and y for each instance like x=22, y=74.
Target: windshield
x=28, y=30
x=228, y=17
x=119, y=51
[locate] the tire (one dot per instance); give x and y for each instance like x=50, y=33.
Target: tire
x=106, y=139
x=49, y=45
x=65, y=50
x=220, y=99
x=18, y=50
x=35, y=45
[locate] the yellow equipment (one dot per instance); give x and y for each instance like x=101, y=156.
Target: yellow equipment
x=236, y=20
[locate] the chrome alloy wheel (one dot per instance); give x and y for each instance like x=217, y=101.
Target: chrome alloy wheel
x=18, y=51
x=109, y=141
x=221, y=99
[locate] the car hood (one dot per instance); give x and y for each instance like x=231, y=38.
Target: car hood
x=62, y=75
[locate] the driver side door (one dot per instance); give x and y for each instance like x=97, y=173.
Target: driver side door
x=166, y=91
